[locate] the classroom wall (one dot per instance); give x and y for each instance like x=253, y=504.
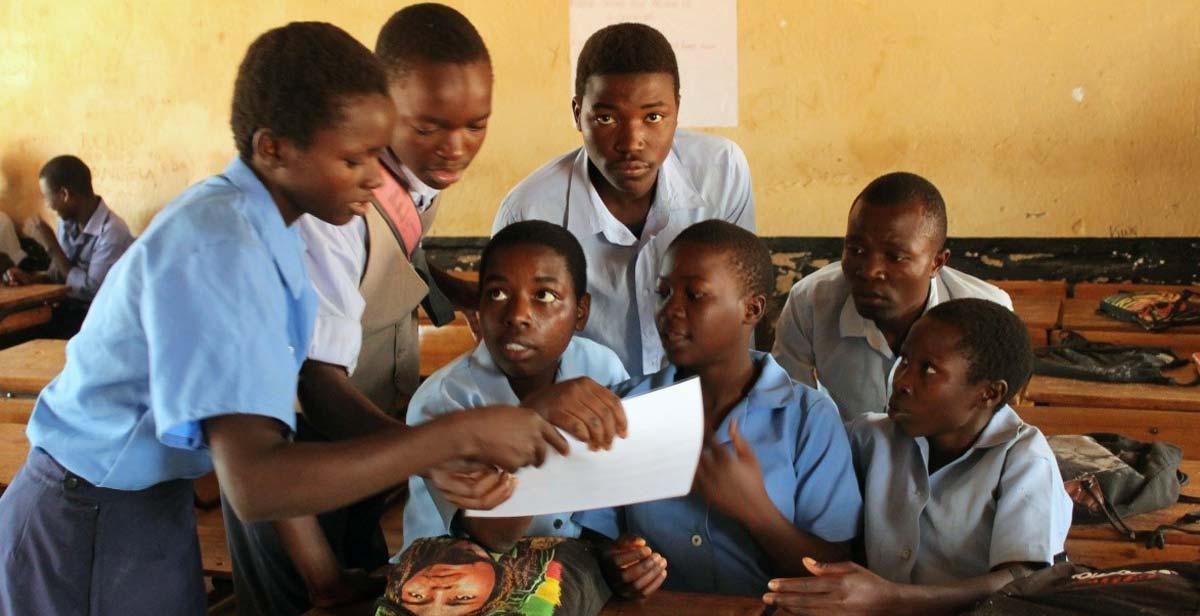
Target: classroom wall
x=1076, y=118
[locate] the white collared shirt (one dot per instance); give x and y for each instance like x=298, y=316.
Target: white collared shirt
x=704, y=177
x=1001, y=502
x=474, y=380
x=820, y=329
x=336, y=257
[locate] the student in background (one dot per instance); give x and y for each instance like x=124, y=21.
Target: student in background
x=841, y=324
x=634, y=185
x=961, y=496
x=370, y=275
x=532, y=301
x=90, y=239
x=191, y=356
x=775, y=482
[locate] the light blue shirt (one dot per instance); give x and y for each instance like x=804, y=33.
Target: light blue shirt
x=801, y=446
x=820, y=329
x=208, y=313
x=704, y=177
x=92, y=250
x=1000, y=502
x=473, y=380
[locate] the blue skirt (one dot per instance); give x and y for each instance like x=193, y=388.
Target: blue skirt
x=69, y=547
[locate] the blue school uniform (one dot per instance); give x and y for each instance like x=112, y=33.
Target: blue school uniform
x=208, y=313
x=1002, y=501
x=797, y=435
x=474, y=380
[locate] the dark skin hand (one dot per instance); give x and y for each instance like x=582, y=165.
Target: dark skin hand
x=632, y=569
x=849, y=588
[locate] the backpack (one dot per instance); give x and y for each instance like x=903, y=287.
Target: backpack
x=1155, y=311
x=1076, y=357
x=1162, y=589
x=1110, y=477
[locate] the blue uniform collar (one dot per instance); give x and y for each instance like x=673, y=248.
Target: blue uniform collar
x=260, y=209
x=587, y=214
x=773, y=390
x=492, y=381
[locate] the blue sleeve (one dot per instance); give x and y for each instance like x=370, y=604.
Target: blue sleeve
x=604, y=521
x=216, y=326
x=828, y=501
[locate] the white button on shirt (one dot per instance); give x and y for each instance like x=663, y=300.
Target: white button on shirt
x=704, y=177
x=821, y=329
x=335, y=257
x=1001, y=502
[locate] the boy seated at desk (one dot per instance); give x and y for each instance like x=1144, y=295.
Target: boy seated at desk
x=532, y=301
x=961, y=496
x=775, y=481
x=845, y=321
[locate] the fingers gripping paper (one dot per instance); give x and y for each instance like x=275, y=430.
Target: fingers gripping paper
x=658, y=460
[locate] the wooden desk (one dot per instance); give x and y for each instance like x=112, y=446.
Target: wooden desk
x=1040, y=315
x=1033, y=288
x=1080, y=315
x=1183, y=345
x=440, y=345
x=1175, y=427
x=661, y=603
x=1051, y=391
x=28, y=306
x=1101, y=546
x=26, y=368
x=14, y=448
x=1101, y=290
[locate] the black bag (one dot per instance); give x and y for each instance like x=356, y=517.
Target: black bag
x=1153, y=310
x=1110, y=477
x=1162, y=589
x=1075, y=357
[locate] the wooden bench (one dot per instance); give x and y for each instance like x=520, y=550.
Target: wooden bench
x=441, y=345
x=1032, y=288
x=26, y=368
x=1100, y=290
x=1052, y=391
x=28, y=306
x=1100, y=545
x=14, y=448
x=16, y=410
x=214, y=551
x=1175, y=427
x=661, y=603
x=1040, y=315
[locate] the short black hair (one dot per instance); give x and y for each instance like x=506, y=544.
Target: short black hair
x=68, y=172
x=625, y=48
x=295, y=81
x=994, y=341
x=428, y=32
x=748, y=253
x=540, y=233
x=902, y=188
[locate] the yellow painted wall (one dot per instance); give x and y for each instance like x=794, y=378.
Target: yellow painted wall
x=979, y=96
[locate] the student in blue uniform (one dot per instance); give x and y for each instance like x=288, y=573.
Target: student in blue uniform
x=961, y=496
x=776, y=482
x=189, y=360
x=532, y=281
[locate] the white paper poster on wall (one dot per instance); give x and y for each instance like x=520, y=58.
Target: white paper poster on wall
x=704, y=36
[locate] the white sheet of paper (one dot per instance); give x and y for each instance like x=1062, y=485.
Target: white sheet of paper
x=705, y=38
x=658, y=460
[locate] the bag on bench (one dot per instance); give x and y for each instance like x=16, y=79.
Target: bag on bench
x=1110, y=477
x=1166, y=589
x=1076, y=357
x=1154, y=310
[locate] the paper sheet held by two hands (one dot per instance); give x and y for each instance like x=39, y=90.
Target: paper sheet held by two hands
x=658, y=460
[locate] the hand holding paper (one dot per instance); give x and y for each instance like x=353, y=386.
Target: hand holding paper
x=657, y=460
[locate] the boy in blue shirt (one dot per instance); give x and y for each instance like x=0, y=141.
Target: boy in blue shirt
x=775, y=481
x=190, y=355
x=961, y=497
x=532, y=303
